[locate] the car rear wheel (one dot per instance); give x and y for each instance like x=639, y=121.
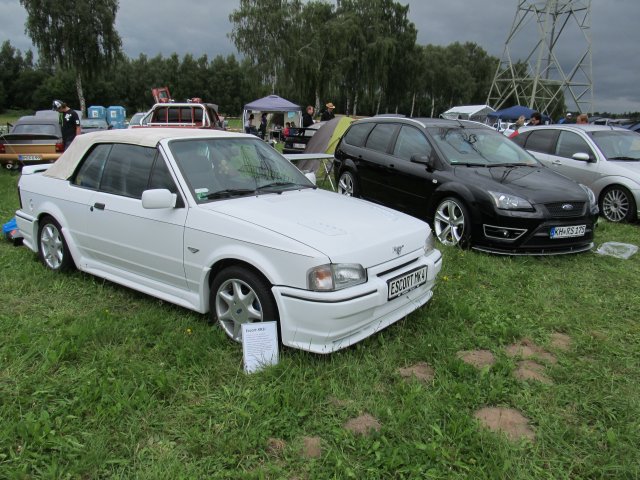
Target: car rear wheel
x=451, y=223
x=617, y=204
x=52, y=247
x=239, y=296
x=347, y=184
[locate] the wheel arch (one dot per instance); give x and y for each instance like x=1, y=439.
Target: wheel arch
x=457, y=190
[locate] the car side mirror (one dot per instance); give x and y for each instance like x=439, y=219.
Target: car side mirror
x=158, y=198
x=582, y=156
x=311, y=176
x=423, y=160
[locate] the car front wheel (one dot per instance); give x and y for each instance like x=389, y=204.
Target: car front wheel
x=451, y=223
x=239, y=296
x=617, y=204
x=347, y=184
x=52, y=247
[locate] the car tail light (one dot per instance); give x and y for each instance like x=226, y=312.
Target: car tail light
x=2, y=149
x=59, y=147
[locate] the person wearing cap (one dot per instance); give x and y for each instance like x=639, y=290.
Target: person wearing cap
x=568, y=118
x=70, y=122
x=328, y=114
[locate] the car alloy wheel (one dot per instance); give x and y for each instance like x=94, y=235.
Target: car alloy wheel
x=617, y=205
x=52, y=247
x=240, y=296
x=347, y=184
x=450, y=223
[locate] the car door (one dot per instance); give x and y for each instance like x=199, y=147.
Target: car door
x=561, y=159
x=122, y=237
x=374, y=161
x=409, y=184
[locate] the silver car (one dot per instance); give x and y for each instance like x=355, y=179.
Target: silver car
x=606, y=159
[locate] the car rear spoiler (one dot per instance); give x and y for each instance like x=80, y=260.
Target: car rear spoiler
x=17, y=137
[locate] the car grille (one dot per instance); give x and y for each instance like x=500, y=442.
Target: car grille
x=565, y=209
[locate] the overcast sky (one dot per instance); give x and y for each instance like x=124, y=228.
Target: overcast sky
x=201, y=26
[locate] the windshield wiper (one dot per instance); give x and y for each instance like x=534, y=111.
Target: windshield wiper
x=230, y=192
x=272, y=187
x=511, y=165
x=622, y=157
x=469, y=164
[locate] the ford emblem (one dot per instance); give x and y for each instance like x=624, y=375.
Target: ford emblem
x=398, y=249
x=567, y=206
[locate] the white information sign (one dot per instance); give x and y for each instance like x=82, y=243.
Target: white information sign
x=259, y=345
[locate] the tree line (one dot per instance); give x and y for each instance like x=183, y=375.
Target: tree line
x=360, y=55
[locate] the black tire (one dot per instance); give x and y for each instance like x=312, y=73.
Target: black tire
x=617, y=204
x=249, y=295
x=348, y=184
x=52, y=246
x=452, y=223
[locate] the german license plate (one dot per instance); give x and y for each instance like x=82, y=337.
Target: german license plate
x=299, y=145
x=406, y=282
x=566, y=232
x=29, y=158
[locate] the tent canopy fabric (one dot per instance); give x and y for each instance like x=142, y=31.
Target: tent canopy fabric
x=468, y=112
x=273, y=103
x=327, y=136
x=512, y=114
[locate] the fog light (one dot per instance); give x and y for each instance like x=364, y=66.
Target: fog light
x=503, y=233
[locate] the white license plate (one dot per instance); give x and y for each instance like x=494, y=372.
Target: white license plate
x=299, y=145
x=29, y=158
x=401, y=285
x=566, y=232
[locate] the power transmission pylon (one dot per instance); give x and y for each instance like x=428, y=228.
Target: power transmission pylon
x=539, y=79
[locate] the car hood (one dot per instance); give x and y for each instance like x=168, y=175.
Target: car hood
x=625, y=167
x=537, y=184
x=347, y=230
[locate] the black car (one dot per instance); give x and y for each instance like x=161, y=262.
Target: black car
x=296, y=141
x=473, y=185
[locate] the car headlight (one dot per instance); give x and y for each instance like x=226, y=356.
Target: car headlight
x=593, y=202
x=335, y=276
x=506, y=201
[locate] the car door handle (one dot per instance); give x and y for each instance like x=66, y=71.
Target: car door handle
x=99, y=206
x=556, y=162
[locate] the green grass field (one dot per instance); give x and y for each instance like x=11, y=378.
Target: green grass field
x=98, y=381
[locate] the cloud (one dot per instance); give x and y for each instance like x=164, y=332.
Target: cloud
x=202, y=27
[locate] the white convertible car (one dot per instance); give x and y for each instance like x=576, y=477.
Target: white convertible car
x=220, y=222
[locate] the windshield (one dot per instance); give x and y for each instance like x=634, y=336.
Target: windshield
x=479, y=147
x=35, y=128
x=232, y=167
x=618, y=145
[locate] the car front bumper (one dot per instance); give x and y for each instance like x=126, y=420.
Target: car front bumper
x=324, y=322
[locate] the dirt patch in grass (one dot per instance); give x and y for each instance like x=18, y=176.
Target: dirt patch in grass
x=311, y=447
x=530, y=370
x=275, y=446
x=422, y=371
x=561, y=341
x=338, y=402
x=507, y=420
x=477, y=358
x=526, y=349
x=363, y=424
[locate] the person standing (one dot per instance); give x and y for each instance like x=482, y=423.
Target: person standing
x=262, y=130
x=583, y=119
x=328, y=114
x=248, y=125
x=568, y=118
x=536, y=119
x=307, y=117
x=70, y=122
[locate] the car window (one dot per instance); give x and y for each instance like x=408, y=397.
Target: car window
x=541, y=141
x=161, y=177
x=91, y=168
x=160, y=115
x=570, y=143
x=173, y=115
x=357, y=134
x=186, y=115
x=521, y=138
x=478, y=146
x=380, y=136
x=223, y=168
x=411, y=141
x=35, y=128
x=127, y=170
x=618, y=145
